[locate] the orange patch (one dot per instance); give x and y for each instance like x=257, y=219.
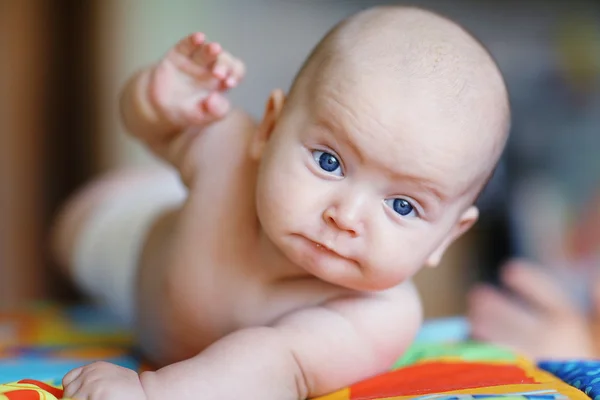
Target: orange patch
x=91, y=353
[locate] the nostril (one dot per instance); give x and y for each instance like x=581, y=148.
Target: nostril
x=341, y=222
x=328, y=217
x=352, y=232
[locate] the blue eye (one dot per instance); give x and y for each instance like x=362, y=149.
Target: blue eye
x=402, y=207
x=327, y=162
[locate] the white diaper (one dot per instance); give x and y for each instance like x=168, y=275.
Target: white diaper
x=108, y=250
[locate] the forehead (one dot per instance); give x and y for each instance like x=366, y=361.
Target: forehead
x=403, y=128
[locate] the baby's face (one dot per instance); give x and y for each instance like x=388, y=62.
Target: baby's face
x=362, y=191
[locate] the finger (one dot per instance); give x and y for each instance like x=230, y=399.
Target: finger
x=596, y=295
x=80, y=394
x=71, y=391
x=215, y=105
x=206, y=54
x=189, y=44
x=71, y=376
x=495, y=317
x=221, y=69
x=238, y=70
x=72, y=383
x=537, y=287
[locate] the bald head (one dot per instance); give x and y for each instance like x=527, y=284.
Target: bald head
x=409, y=43
x=411, y=47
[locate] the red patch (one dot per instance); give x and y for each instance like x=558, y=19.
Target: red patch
x=22, y=394
x=58, y=393
x=438, y=377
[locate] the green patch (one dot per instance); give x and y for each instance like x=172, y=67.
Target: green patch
x=467, y=351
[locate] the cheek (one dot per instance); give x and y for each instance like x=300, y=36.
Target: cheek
x=400, y=252
x=286, y=189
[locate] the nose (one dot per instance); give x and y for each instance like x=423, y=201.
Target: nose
x=345, y=216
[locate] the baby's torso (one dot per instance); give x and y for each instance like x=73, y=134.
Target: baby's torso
x=214, y=278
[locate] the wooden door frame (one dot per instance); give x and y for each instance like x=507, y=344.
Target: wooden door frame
x=25, y=34
x=47, y=120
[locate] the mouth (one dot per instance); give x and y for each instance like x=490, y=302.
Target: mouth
x=326, y=249
x=325, y=252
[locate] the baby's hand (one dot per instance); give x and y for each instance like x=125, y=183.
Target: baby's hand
x=103, y=381
x=186, y=86
x=538, y=319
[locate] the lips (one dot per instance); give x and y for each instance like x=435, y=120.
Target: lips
x=326, y=249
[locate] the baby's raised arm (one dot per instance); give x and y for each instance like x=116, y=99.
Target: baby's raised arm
x=183, y=90
x=309, y=353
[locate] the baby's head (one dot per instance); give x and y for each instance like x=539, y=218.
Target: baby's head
x=370, y=168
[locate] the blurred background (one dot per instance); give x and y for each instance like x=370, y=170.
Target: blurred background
x=62, y=63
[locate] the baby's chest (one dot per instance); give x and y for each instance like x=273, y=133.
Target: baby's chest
x=237, y=293
x=217, y=289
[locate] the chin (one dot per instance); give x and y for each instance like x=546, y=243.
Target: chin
x=362, y=286
x=339, y=272
x=361, y=283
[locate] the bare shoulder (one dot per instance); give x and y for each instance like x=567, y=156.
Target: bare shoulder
x=350, y=338
x=221, y=176
x=237, y=120
x=391, y=318
x=385, y=322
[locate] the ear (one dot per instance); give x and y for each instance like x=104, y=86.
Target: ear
x=466, y=221
x=273, y=109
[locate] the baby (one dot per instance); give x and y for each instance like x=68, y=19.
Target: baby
x=285, y=273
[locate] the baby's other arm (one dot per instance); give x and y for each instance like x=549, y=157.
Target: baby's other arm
x=185, y=89
x=306, y=354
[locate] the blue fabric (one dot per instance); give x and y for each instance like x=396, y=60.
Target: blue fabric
x=584, y=375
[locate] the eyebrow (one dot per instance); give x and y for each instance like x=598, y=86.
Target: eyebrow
x=427, y=186
x=423, y=184
x=340, y=134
